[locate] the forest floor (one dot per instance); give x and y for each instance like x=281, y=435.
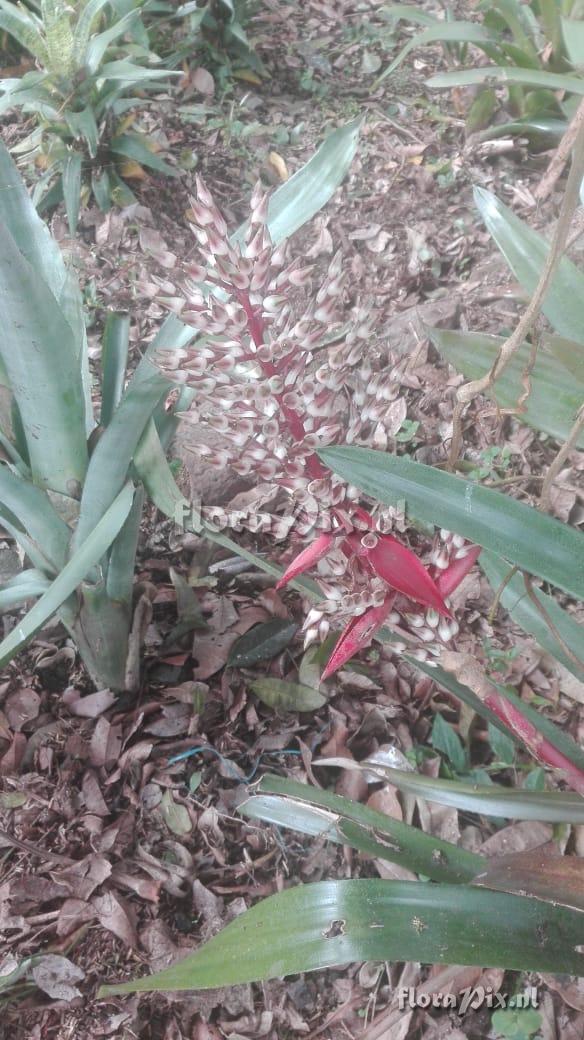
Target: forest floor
x=121, y=846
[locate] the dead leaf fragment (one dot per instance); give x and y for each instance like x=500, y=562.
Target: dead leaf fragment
x=55, y=976
x=175, y=816
x=203, y=81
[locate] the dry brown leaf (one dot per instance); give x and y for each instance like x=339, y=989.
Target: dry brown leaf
x=114, y=916
x=55, y=976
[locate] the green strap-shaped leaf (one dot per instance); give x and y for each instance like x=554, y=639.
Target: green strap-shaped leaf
x=69, y=579
x=114, y=360
x=85, y=23
x=504, y=74
x=444, y=32
x=27, y=585
x=494, y=800
x=20, y=24
x=72, y=189
x=532, y=540
x=288, y=803
x=554, y=396
x=31, y=507
x=526, y=251
x=524, y=612
x=336, y=922
x=311, y=187
x=133, y=146
x=42, y=361
x=115, y=450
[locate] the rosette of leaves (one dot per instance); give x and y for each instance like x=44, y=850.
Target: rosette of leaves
x=78, y=460
x=91, y=75
x=533, y=79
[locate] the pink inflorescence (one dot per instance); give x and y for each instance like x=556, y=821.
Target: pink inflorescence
x=278, y=377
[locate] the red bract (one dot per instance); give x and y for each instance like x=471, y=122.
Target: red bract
x=357, y=635
x=449, y=580
x=539, y=746
x=307, y=558
x=403, y=571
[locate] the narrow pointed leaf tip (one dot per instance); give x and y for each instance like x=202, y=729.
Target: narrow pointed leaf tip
x=357, y=635
x=307, y=558
x=449, y=580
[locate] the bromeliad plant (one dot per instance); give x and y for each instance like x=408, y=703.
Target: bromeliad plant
x=279, y=377
x=72, y=483
x=523, y=912
x=88, y=82
x=536, y=54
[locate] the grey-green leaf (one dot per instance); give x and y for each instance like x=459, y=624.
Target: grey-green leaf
x=68, y=580
x=526, y=251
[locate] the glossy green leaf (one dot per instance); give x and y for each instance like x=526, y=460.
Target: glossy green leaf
x=526, y=537
x=526, y=251
x=492, y=800
x=114, y=360
x=554, y=397
x=73, y=573
x=262, y=642
x=524, y=612
x=336, y=922
x=320, y=813
x=310, y=188
x=287, y=696
x=504, y=74
x=443, y=32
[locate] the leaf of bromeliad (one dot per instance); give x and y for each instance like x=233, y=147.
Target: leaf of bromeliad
x=541, y=873
x=357, y=635
x=449, y=579
x=307, y=558
x=402, y=570
x=331, y=923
